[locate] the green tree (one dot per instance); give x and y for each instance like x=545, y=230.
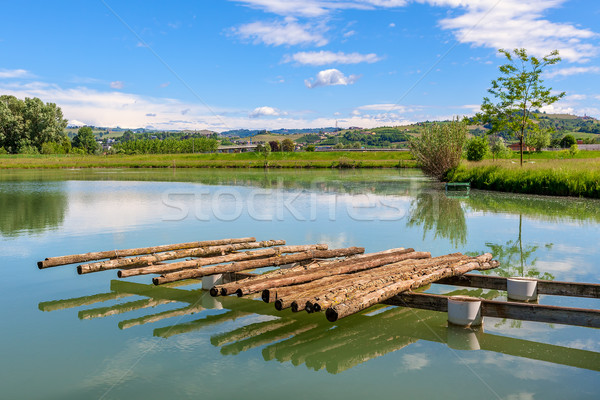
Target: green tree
x=519, y=91
x=439, y=147
x=275, y=145
x=573, y=150
x=477, y=147
x=265, y=151
x=497, y=146
x=567, y=141
x=127, y=136
x=86, y=140
x=310, y=147
x=288, y=145
x=538, y=139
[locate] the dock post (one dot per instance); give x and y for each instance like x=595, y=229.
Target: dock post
x=522, y=289
x=209, y=281
x=464, y=311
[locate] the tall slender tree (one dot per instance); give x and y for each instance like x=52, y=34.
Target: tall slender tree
x=518, y=92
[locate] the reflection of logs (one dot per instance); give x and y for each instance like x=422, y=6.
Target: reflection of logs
x=248, y=255
x=173, y=255
x=249, y=331
x=99, y=255
x=314, y=274
x=168, y=331
x=80, y=301
x=365, y=298
x=281, y=333
x=102, y=312
x=147, y=319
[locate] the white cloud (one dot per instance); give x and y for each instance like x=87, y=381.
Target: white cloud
x=514, y=24
x=277, y=33
x=265, y=111
x=489, y=23
x=13, y=73
x=349, y=33
x=328, y=57
x=414, y=362
x=572, y=71
x=330, y=77
x=392, y=25
x=116, y=85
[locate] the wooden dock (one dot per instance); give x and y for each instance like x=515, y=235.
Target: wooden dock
x=338, y=282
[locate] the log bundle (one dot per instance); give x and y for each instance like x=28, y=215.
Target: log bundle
x=311, y=277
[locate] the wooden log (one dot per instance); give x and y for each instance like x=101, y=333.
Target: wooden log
x=173, y=255
x=80, y=301
x=555, y=288
x=365, y=299
x=323, y=272
x=99, y=255
x=192, y=264
x=338, y=293
x=506, y=309
x=315, y=265
x=253, y=264
x=249, y=331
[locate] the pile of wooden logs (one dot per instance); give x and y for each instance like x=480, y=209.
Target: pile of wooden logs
x=344, y=287
x=340, y=281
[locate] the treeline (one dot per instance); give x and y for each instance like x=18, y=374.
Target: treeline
x=360, y=139
x=129, y=135
x=167, y=146
x=30, y=126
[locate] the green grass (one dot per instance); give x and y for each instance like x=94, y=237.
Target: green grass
x=339, y=159
x=568, y=177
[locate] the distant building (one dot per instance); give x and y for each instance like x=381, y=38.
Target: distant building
x=517, y=147
x=238, y=148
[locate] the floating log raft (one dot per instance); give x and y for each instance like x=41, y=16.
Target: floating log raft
x=99, y=255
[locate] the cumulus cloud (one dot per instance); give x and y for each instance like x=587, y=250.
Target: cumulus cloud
x=265, y=112
x=13, y=73
x=488, y=23
x=116, y=85
x=287, y=32
x=330, y=77
x=572, y=71
x=328, y=57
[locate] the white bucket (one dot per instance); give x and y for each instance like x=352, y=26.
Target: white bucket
x=209, y=281
x=464, y=311
x=522, y=289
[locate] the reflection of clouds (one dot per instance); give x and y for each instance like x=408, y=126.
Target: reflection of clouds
x=583, y=344
x=520, y=396
x=565, y=248
x=334, y=242
x=414, y=362
x=569, y=268
x=521, y=368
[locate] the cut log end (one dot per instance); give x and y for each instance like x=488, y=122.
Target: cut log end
x=316, y=307
x=239, y=293
x=120, y=274
x=156, y=281
x=331, y=315
x=40, y=264
x=279, y=305
x=265, y=296
x=294, y=307
x=308, y=307
x=214, y=292
x=79, y=270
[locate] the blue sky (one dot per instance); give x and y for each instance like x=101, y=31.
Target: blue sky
x=268, y=64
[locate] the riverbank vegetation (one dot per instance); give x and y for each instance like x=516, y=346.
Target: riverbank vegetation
x=335, y=159
x=568, y=177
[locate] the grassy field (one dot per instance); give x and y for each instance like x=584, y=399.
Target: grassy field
x=339, y=159
x=567, y=177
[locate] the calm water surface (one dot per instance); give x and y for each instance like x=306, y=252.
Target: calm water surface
x=76, y=337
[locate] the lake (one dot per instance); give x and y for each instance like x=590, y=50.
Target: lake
x=66, y=336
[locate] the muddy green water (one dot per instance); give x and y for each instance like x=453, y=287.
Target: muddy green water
x=78, y=337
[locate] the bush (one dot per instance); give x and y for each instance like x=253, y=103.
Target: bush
x=3, y=151
x=28, y=149
x=573, y=150
x=567, y=141
x=440, y=147
x=477, y=148
x=310, y=147
x=498, y=147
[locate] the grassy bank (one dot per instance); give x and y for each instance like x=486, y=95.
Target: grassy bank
x=567, y=177
x=339, y=159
